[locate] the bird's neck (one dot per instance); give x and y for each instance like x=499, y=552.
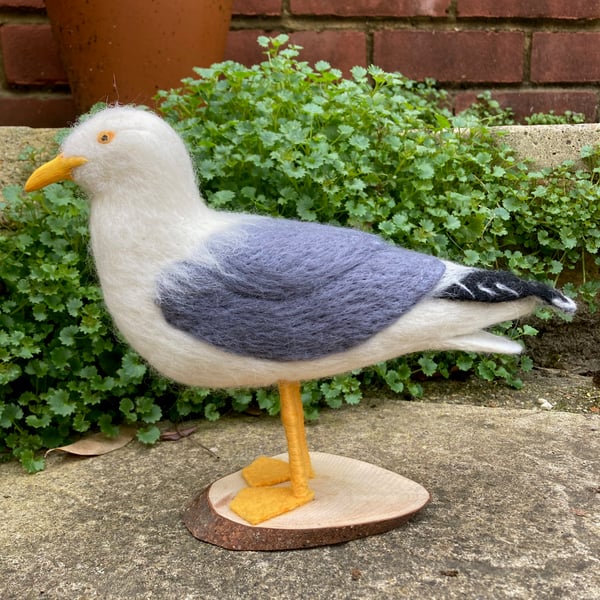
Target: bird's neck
x=150, y=225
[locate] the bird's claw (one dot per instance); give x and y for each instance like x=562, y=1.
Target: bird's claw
x=265, y=471
x=258, y=504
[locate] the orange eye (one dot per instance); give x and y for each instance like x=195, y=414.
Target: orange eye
x=106, y=137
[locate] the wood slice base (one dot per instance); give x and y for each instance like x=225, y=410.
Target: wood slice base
x=353, y=499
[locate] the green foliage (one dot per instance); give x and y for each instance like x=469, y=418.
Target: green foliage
x=62, y=370
x=567, y=118
x=488, y=111
x=380, y=153
x=375, y=152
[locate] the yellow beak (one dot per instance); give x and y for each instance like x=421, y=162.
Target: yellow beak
x=58, y=169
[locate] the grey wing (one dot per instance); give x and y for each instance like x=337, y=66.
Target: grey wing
x=295, y=291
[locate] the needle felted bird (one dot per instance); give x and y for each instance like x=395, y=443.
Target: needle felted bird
x=221, y=299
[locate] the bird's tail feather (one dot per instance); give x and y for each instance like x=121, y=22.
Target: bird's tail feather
x=483, y=341
x=480, y=285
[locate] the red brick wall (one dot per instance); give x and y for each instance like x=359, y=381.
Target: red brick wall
x=536, y=55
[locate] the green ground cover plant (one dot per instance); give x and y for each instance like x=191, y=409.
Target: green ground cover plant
x=375, y=151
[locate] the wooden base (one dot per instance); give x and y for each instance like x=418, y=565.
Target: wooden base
x=353, y=499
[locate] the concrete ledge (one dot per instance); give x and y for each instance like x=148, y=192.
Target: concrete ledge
x=546, y=145
x=550, y=145
x=13, y=142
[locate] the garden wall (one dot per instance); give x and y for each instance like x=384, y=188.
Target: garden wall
x=536, y=55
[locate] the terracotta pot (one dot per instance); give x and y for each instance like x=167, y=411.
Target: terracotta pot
x=126, y=50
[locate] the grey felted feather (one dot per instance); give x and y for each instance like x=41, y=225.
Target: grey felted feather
x=294, y=291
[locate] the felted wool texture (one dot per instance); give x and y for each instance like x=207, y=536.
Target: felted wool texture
x=147, y=216
x=296, y=291
x=479, y=285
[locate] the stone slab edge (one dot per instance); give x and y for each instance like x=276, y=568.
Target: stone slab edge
x=545, y=145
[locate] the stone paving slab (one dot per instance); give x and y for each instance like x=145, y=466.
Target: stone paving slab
x=515, y=512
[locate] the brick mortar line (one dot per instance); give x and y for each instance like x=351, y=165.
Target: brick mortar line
x=14, y=93
x=527, y=47
x=3, y=79
x=16, y=18
x=370, y=49
x=452, y=11
x=370, y=24
x=525, y=86
x=44, y=88
x=38, y=16
x=577, y=25
x=516, y=89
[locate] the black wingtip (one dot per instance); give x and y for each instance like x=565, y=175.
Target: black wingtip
x=563, y=302
x=481, y=285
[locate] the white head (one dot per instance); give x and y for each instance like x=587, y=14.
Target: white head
x=120, y=147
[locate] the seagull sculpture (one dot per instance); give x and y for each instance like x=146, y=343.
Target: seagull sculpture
x=221, y=299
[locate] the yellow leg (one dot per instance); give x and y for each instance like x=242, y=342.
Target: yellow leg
x=257, y=504
x=292, y=417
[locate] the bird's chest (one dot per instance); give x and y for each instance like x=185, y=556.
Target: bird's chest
x=130, y=253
